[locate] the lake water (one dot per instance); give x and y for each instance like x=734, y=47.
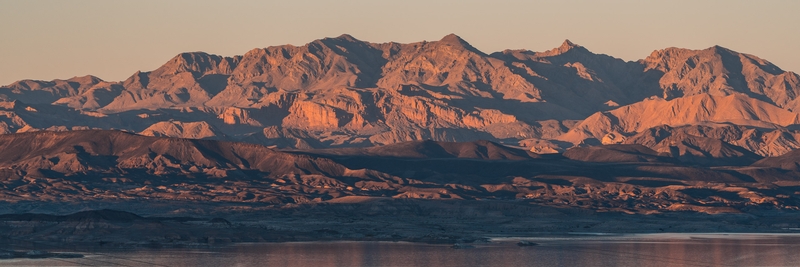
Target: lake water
x=573, y=250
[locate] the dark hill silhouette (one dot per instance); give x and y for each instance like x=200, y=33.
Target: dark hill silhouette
x=482, y=149
x=617, y=153
x=90, y=152
x=104, y=215
x=788, y=161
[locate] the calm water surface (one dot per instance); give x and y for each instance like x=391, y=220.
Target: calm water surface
x=583, y=250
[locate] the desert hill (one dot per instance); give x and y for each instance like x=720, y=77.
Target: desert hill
x=788, y=161
x=617, y=153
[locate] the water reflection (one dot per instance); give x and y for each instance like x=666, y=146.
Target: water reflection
x=648, y=250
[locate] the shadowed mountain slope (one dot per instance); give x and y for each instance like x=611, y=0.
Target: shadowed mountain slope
x=616, y=153
x=788, y=161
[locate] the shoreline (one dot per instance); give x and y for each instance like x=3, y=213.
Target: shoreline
x=432, y=222
x=82, y=251
x=60, y=247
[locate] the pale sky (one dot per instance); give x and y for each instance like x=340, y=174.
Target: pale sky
x=48, y=40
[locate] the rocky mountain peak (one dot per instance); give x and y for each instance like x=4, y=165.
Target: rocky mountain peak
x=719, y=48
x=456, y=41
x=332, y=42
x=139, y=80
x=567, y=45
x=452, y=39
x=87, y=79
x=195, y=62
x=347, y=37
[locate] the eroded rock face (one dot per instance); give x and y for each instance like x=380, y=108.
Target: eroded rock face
x=344, y=92
x=235, y=116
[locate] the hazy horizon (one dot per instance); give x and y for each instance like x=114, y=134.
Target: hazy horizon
x=48, y=40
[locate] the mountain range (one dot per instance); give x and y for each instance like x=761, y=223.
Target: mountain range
x=439, y=142
x=344, y=92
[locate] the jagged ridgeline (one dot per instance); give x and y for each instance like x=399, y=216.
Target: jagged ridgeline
x=344, y=92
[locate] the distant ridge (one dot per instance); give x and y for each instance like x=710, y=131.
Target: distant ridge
x=484, y=150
